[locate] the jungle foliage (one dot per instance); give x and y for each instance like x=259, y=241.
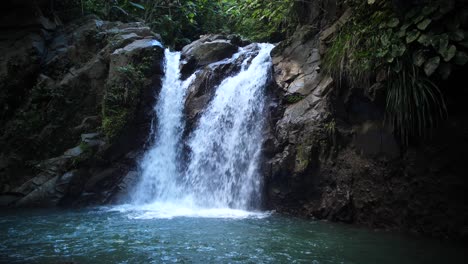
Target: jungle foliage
x=414, y=49
x=181, y=21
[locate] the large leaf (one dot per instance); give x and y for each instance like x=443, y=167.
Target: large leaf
x=440, y=41
x=401, y=33
x=431, y=65
x=449, y=53
x=382, y=53
x=397, y=50
x=461, y=58
x=385, y=39
x=443, y=44
x=418, y=19
x=425, y=40
x=424, y=24
x=393, y=22
x=412, y=35
x=405, y=26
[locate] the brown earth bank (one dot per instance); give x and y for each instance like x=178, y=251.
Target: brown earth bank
x=76, y=113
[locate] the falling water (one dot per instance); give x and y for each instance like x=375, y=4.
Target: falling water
x=159, y=166
x=226, y=144
x=222, y=172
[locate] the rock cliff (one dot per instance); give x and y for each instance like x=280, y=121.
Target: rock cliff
x=76, y=104
x=330, y=155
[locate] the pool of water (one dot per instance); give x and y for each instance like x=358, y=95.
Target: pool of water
x=120, y=235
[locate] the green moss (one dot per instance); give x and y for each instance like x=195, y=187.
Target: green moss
x=121, y=99
x=302, y=157
x=293, y=98
x=112, y=124
x=85, y=147
x=88, y=152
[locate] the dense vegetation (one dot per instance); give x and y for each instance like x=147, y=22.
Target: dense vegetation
x=410, y=48
x=180, y=21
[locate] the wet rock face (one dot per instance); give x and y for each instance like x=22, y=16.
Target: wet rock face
x=208, y=77
x=208, y=49
x=54, y=80
x=330, y=156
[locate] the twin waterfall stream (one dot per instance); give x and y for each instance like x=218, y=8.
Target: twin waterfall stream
x=220, y=177
x=197, y=198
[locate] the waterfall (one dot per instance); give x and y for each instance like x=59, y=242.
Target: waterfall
x=159, y=166
x=221, y=172
x=226, y=144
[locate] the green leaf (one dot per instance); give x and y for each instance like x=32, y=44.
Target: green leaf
x=390, y=59
x=443, y=44
x=444, y=70
x=398, y=50
x=425, y=40
x=382, y=53
x=449, y=53
x=401, y=33
x=370, y=2
x=431, y=65
x=137, y=5
x=418, y=19
x=423, y=24
x=405, y=26
x=393, y=22
x=419, y=58
x=461, y=58
x=412, y=35
x=440, y=41
x=385, y=39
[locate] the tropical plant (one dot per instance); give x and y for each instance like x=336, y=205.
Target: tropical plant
x=262, y=20
x=415, y=49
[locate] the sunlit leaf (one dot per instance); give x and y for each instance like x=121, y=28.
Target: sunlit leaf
x=137, y=5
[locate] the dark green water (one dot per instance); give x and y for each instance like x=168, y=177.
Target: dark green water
x=103, y=236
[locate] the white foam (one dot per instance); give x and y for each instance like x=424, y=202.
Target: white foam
x=168, y=210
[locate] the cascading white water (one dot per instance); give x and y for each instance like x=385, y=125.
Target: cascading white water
x=159, y=166
x=226, y=144
x=221, y=177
